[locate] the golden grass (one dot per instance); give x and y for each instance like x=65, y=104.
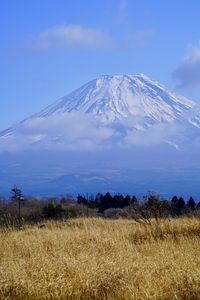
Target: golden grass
x=102, y=259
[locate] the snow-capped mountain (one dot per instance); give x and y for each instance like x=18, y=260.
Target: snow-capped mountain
x=108, y=135
x=118, y=97
x=107, y=111
x=134, y=101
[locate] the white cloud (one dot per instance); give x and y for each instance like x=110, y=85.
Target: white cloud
x=171, y=134
x=78, y=37
x=81, y=132
x=188, y=71
x=72, y=36
x=70, y=131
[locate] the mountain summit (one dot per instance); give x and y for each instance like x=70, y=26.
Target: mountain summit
x=121, y=133
x=119, y=102
x=118, y=97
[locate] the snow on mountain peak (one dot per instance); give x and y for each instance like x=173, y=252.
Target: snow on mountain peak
x=111, y=106
x=123, y=126
x=118, y=97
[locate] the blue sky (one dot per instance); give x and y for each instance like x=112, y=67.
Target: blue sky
x=50, y=47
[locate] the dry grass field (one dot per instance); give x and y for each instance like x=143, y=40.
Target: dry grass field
x=102, y=259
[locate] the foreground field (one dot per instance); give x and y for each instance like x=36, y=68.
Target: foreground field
x=101, y=259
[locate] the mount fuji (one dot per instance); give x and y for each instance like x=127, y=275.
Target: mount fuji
x=109, y=134
x=114, y=98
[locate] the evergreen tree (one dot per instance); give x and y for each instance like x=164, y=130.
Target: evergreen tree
x=180, y=206
x=107, y=201
x=82, y=200
x=191, y=204
x=118, y=201
x=104, y=202
x=18, y=198
x=174, y=203
x=127, y=201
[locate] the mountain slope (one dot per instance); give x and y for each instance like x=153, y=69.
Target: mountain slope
x=108, y=108
x=121, y=133
x=114, y=98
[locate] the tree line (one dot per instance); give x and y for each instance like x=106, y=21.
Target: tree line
x=19, y=209
x=103, y=202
